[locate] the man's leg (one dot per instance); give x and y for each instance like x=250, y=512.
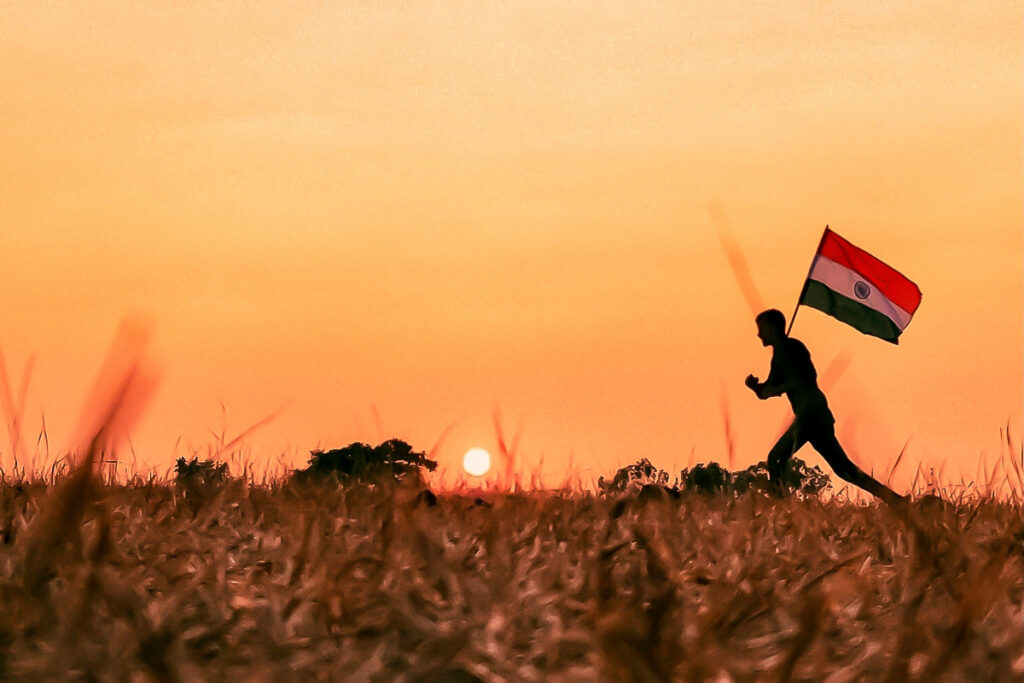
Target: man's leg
x=825, y=442
x=788, y=444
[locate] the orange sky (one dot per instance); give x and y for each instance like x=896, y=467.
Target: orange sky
x=437, y=208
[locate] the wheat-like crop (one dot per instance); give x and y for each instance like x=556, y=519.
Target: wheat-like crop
x=288, y=581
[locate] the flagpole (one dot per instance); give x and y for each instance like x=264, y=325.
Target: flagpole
x=804, y=288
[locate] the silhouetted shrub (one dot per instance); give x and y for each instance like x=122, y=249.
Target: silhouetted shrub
x=200, y=472
x=710, y=478
x=639, y=473
x=796, y=476
x=391, y=459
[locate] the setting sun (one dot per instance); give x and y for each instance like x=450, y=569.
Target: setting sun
x=476, y=461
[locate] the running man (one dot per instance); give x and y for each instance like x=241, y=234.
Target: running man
x=792, y=373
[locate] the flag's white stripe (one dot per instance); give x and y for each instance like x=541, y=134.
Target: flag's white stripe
x=842, y=280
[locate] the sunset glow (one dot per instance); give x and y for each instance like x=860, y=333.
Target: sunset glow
x=377, y=220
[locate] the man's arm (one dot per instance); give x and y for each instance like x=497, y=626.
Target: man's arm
x=771, y=386
x=766, y=389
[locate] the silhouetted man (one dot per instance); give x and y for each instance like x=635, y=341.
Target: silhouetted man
x=792, y=373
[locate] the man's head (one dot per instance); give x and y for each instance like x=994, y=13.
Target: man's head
x=771, y=326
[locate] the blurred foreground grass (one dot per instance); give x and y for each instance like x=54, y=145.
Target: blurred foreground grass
x=152, y=581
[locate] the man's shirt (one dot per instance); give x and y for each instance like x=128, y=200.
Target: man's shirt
x=793, y=372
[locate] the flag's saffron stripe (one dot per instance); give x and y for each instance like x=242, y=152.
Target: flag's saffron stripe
x=850, y=311
x=852, y=285
x=897, y=288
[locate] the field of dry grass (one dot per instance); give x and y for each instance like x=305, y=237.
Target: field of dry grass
x=154, y=581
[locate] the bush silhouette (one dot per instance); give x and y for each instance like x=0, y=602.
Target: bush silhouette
x=631, y=476
x=196, y=472
x=796, y=476
x=712, y=478
x=391, y=459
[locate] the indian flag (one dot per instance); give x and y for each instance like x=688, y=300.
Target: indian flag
x=850, y=284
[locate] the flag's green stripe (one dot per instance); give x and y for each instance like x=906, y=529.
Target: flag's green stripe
x=851, y=312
